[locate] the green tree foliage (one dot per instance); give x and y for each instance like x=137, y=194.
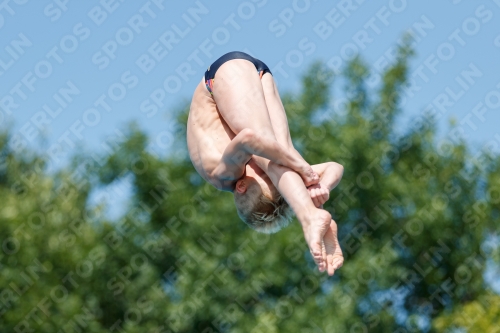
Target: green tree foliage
x=414, y=214
x=481, y=315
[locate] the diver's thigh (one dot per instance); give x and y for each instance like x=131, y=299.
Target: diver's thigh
x=239, y=96
x=276, y=111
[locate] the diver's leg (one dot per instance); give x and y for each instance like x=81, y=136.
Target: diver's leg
x=239, y=96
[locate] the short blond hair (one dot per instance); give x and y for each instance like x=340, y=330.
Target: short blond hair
x=260, y=212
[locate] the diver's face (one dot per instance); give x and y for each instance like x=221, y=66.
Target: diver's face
x=254, y=174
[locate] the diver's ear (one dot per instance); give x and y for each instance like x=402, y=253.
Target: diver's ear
x=241, y=186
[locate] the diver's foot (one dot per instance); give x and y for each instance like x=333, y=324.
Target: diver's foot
x=315, y=226
x=334, y=256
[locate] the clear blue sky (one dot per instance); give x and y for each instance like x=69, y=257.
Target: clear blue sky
x=99, y=61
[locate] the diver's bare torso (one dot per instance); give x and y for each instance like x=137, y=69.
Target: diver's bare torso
x=208, y=134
